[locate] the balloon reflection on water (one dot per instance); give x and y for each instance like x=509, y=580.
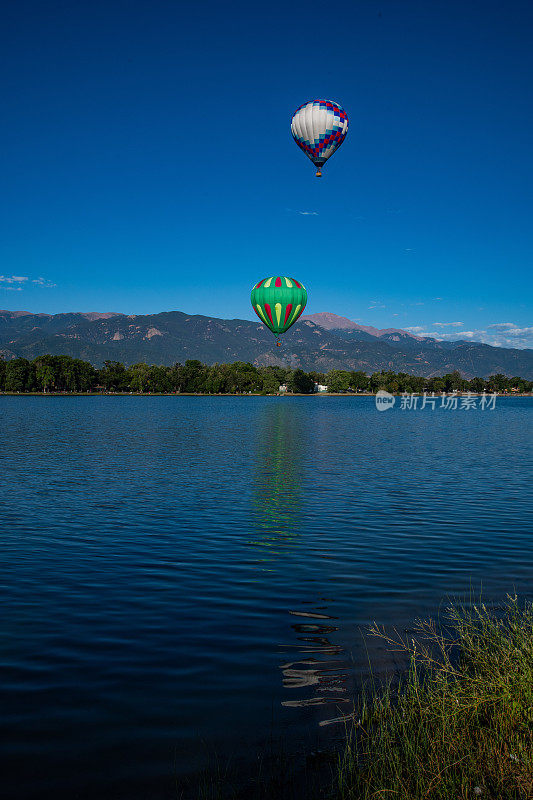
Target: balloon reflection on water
x=277, y=491
x=319, y=671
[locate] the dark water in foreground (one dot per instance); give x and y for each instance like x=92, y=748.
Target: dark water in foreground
x=183, y=570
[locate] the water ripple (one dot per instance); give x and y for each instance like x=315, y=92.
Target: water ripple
x=177, y=570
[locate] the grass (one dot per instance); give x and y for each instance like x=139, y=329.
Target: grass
x=460, y=724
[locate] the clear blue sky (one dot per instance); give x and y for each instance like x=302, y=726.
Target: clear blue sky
x=147, y=162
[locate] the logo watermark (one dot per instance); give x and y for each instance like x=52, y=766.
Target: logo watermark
x=384, y=400
x=411, y=401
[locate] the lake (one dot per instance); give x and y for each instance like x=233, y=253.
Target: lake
x=189, y=576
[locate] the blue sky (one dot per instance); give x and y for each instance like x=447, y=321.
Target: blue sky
x=147, y=162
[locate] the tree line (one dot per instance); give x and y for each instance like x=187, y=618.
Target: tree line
x=65, y=374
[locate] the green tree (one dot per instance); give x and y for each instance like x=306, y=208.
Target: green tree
x=114, y=376
x=218, y=379
x=176, y=377
x=19, y=376
x=273, y=377
x=245, y=377
x=498, y=383
x=301, y=383
x=86, y=375
x=318, y=377
x=477, y=385
x=453, y=382
x=380, y=380
x=418, y=383
x=139, y=377
x=338, y=380
x=520, y=384
x=63, y=373
x=436, y=385
x=193, y=376
x=159, y=379
x=67, y=373
x=359, y=381
x=402, y=380
x=45, y=373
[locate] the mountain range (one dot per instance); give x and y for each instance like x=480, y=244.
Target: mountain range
x=319, y=342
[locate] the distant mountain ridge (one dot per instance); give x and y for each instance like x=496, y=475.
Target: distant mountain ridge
x=172, y=336
x=333, y=322
x=87, y=314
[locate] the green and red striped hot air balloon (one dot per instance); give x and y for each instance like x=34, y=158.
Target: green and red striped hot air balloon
x=278, y=302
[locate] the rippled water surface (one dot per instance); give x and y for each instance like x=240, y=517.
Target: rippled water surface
x=188, y=575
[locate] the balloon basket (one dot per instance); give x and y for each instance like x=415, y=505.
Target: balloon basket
x=319, y=173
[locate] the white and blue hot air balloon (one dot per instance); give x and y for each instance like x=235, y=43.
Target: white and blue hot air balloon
x=319, y=127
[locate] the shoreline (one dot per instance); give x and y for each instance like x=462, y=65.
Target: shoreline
x=443, y=725
x=254, y=394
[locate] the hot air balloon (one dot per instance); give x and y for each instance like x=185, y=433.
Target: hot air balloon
x=278, y=302
x=319, y=127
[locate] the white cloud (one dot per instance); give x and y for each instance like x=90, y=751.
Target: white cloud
x=303, y=213
x=17, y=282
x=500, y=334
x=508, y=334
x=520, y=332
x=44, y=282
x=447, y=324
x=458, y=335
x=12, y=279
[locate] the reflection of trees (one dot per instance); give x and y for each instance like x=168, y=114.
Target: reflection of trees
x=278, y=476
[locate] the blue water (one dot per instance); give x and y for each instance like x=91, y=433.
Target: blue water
x=185, y=575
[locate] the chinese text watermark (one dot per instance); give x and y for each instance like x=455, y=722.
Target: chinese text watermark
x=411, y=401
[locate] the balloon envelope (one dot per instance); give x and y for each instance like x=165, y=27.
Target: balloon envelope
x=278, y=302
x=319, y=127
